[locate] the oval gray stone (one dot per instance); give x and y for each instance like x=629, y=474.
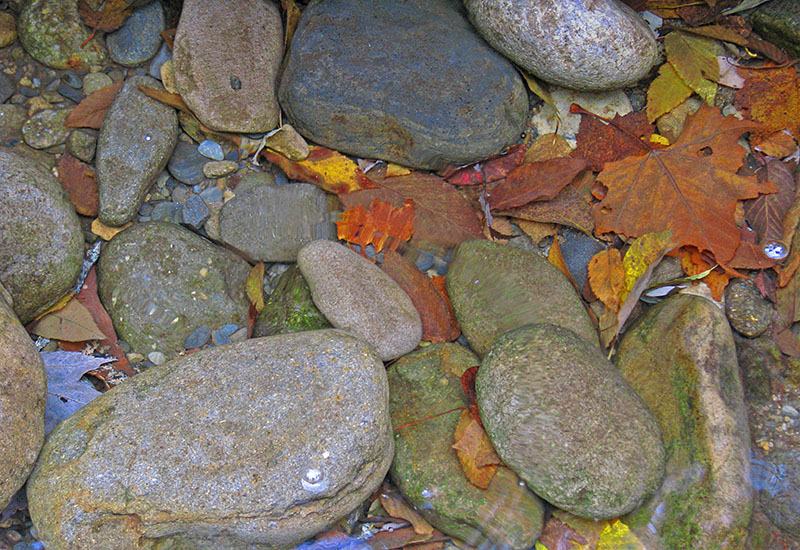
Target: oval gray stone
x=23, y=393
x=582, y=44
x=41, y=242
x=257, y=444
x=159, y=281
x=355, y=295
x=134, y=144
x=139, y=37
x=408, y=82
x=560, y=415
x=271, y=223
x=53, y=33
x=749, y=313
x=681, y=359
x=426, y=468
x=495, y=288
x=226, y=59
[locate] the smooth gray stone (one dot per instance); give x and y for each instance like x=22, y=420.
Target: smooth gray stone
x=134, y=144
x=139, y=37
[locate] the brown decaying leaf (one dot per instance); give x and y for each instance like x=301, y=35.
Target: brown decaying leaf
x=439, y=284
x=442, y=216
x=693, y=263
x=534, y=182
x=607, y=277
x=786, y=273
x=426, y=299
x=749, y=254
x=91, y=111
x=766, y=213
x=771, y=95
x=109, y=17
x=255, y=287
x=396, y=507
x=72, y=323
x=491, y=169
x=546, y=147
x=292, y=17
x=79, y=180
x=570, y=207
x=777, y=144
x=788, y=304
x=555, y=257
x=600, y=142
x=690, y=188
x=471, y=436
x=88, y=297
x=557, y=535
x=787, y=341
x=537, y=231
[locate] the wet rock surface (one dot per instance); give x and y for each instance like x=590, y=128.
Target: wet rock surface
x=453, y=100
x=559, y=414
x=258, y=444
x=289, y=308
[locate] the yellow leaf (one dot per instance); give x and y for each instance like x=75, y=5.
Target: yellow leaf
x=644, y=251
x=471, y=436
x=107, y=232
x=618, y=536
x=657, y=139
x=537, y=89
x=607, y=277
x=393, y=169
x=554, y=257
x=72, y=323
x=58, y=305
x=694, y=58
x=666, y=92
x=254, y=286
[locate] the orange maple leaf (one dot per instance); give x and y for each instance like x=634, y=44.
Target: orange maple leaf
x=380, y=224
x=690, y=188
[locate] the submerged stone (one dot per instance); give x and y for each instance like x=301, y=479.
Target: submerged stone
x=289, y=307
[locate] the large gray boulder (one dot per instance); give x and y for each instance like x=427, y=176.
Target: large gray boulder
x=588, y=45
x=258, y=444
x=159, y=282
x=409, y=82
x=561, y=416
x=134, y=145
x=23, y=393
x=41, y=242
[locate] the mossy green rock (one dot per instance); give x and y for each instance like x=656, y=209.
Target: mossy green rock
x=561, y=416
x=680, y=358
x=159, y=282
x=23, y=393
x=41, y=243
x=53, y=33
x=259, y=444
x=289, y=308
x=495, y=288
x=426, y=468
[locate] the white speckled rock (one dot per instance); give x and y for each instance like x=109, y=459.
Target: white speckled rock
x=354, y=294
x=581, y=44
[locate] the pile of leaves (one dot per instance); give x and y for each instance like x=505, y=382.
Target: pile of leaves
x=718, y=190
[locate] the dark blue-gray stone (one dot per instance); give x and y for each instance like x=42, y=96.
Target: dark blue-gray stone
x=409, y=82
x=138, y=38
x=186, y=163
x=195, y=212
x=578, y=249
x=72, y=80
x=7, y=87
x=70, y=93
x=198, y=338
x=166, y=211
x=164, y=53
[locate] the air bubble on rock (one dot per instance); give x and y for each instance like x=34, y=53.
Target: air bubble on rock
x=775, y=250
x=426, y=493
x=147, y=137
x=314, y=481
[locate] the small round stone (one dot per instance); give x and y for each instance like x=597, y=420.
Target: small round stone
x=211, y=149
x=198, y=338
x=95, y=81
x=157, y=357
x=219, y=168
x=748, y=312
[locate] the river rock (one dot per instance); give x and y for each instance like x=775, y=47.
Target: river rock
x=289, y=307
x=749, y=313
x=427, y=470
x=53, y=33
x=159, y=282
x=226, y=59
x=22, y=398
x=680, y=358
x=777, y=480
x=271, y=223
x=138, y=38
x=12, y=117
x=355, y=295
x=583, y=44
x=409, y=82
x=779, y=22
x=46, y=128
x=560, y=415
x=41, y=242
x=495, y=288
x=134, y=144
x=257, y=444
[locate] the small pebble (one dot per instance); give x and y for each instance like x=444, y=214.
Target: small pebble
x=72, y=80
x=212, y=194
x=186, y=163
x=95, y=81
x=13, y=536
x=164, y=53
x=70, y=93
x=219, y=338
x=219, y=168
x=240, y=335
x=195, y=212
x=229, y=329
x=198, y=338
x=167, y=211
x=157, y=357
x=21, y=546
x=211, y=149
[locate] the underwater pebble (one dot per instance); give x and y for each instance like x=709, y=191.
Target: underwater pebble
x=211, y=149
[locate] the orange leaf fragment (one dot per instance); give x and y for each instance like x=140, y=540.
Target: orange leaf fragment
x=771, y=96
x=607, y=277
x=79, y=180
x=693, y=263
x=777, y=144
x=690, y=188
x=439, y=284
x=396, y=507
x=555, y=257
x=475, y=452
x=108, y=17
x=381, y=224
x=91, y=111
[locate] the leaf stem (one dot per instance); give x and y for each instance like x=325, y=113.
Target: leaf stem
x=430, y=417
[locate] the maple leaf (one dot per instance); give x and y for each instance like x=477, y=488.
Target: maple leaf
x=600, y=142
x=690, y=188
x=108, y=17
x=535, y=181
x=380, y=224
x=91, y=111
x=771, y=95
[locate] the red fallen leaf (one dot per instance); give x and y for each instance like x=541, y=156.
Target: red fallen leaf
x=468, y=383
x=439, y=284
x=91, y=111
x=600, y=142
x=766, y=285
x=79, y=180
x=535, y=181
x=419, y=287
x=88, y=297
x=109, y=17
x=492, y=169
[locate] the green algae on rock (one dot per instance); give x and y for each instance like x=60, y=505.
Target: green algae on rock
x=495, y=288
x=289, y=307
x=23, y=393
x=560, y=415
x=426, y=469
x=257, y=444
x=680, y=358
x=159, y=282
